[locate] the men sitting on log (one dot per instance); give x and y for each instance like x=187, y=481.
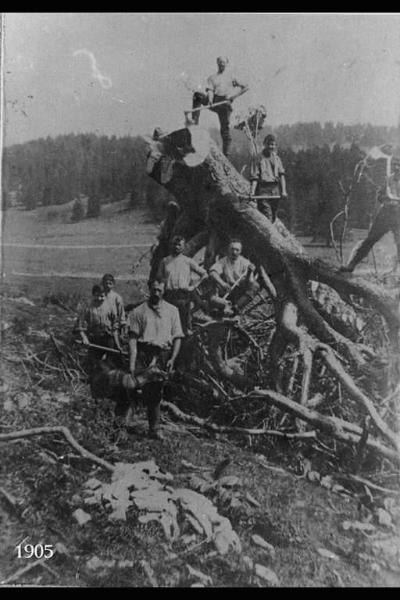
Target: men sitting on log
x=222, y=87
x=234, y=278
x=155, y=333
x=386, y=219
x=268, y=179
x=98, y=324
x=176, y=270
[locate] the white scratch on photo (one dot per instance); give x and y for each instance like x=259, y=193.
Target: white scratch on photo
x=104, y=81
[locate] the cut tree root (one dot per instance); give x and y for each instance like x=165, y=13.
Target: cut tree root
x=307, y=347
x=204, y=423
x=336, y=368
x=366, y=482
x=213, y=198
x=337, y=428
x=24, y=433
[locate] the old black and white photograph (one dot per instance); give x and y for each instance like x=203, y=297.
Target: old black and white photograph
x=200, y=300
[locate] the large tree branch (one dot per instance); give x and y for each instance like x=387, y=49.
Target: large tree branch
x=332, y=426
x=24, y=433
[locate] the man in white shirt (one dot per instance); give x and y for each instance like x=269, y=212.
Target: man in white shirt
x=177, y=270
x=221, y=87
x=268, y=179
x=155, y=334
x=234, y=278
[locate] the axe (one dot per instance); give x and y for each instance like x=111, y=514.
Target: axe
x=235, y=285
x=261, y=197
x=186, y=112
x=103, y=348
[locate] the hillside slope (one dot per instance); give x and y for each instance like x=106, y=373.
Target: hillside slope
x=315, y=536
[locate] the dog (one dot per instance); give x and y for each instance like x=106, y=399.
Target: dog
x=119, y=386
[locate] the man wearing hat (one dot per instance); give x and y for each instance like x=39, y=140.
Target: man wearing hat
x=387, y=219
x=221, y=87
x=267, y=179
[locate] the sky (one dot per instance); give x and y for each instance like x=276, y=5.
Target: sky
x=126, y=73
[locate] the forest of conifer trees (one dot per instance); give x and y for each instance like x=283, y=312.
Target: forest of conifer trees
x=319, y=161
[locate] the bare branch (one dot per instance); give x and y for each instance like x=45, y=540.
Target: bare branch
x=5, y=437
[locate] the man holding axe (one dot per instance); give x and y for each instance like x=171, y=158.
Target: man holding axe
x=267, y=179
x=98, y=328
x=234, y=278
x=222, y=88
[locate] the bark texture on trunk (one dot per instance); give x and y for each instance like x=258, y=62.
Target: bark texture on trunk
x=215, y=206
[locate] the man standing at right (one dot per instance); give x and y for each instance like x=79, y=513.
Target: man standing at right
x=267, y=179
x=387, y=219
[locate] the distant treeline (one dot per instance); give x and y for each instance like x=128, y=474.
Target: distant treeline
x=51, y=171
x=319, y=159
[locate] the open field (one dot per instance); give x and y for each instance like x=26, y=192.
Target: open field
x=55, y=255
x=52, y=257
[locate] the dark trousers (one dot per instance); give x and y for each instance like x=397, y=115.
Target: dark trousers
x=181, y=299
x=268, y=206
x=151, y=393
x=387, y=219
x=223, y=111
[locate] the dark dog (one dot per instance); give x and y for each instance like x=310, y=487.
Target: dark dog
x=119, y=386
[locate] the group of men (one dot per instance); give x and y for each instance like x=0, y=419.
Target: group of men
x=156, y=327
x=267, y=176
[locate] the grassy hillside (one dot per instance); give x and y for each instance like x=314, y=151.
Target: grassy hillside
x=59, y=254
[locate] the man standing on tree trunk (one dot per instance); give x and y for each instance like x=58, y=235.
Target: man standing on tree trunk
x=387, y=219
x=221, y=87
x=268, y=179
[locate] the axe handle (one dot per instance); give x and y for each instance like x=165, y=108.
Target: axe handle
x=207, y=106
x=104, y=348
x=234, y=286
x=260, y=197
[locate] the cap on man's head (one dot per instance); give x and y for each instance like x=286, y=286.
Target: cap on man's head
x=269, y=138
x=223, y=58
x=178, y=238
x=157, y=281
x=97, y=290
x=108, y=277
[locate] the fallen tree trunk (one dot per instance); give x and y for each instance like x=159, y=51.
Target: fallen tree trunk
x=215, y=197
